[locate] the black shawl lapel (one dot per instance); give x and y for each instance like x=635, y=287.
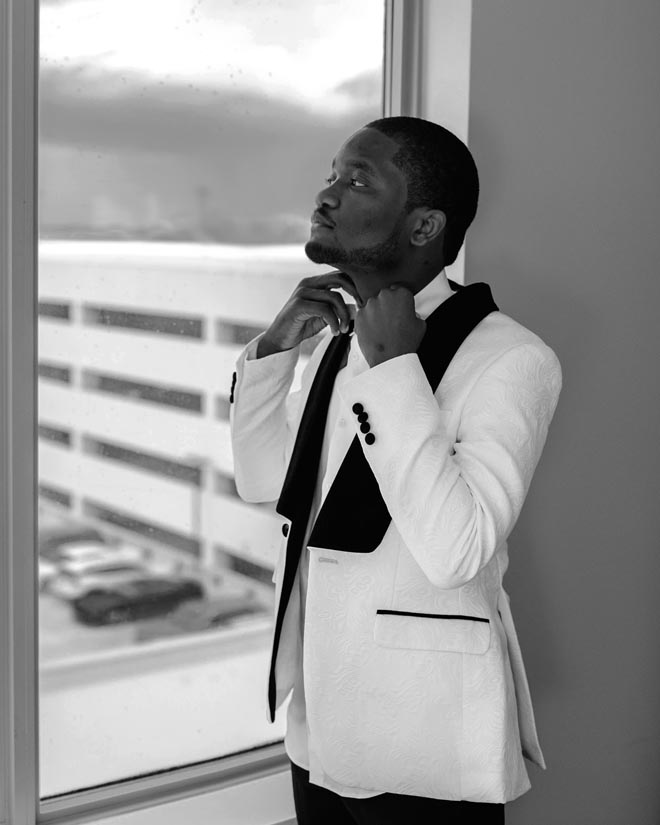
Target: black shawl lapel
x=354, y=516
x=297, y=494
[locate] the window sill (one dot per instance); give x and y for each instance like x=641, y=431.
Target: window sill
x=265, y=801
x=239, y=790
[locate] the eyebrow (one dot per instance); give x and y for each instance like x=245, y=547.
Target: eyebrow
x=364, y=165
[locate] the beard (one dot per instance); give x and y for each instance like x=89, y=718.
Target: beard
x=384, y=255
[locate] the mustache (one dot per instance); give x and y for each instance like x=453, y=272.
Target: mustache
x=317, y=215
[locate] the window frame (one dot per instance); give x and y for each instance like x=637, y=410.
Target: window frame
x=411, y=26
x=18, y=235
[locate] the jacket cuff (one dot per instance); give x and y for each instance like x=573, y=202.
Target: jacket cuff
x=273, y=373
x=388, y=397
x=272, y=369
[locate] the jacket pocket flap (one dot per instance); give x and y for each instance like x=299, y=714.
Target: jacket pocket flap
x=432, y=631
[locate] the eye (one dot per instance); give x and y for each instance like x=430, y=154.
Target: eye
x=356, y=183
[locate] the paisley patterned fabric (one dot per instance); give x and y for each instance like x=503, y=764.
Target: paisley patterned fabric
x=413, y=677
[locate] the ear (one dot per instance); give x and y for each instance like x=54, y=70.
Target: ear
x=427, y=226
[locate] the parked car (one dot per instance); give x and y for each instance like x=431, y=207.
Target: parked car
x=201, y=615
x=46, y=570
x=138, y=599
x=75, y=578
x=98, y=552
x=52, y=538
x=204, y=615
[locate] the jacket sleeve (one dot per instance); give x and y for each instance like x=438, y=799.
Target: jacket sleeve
x=455, y=501
x=264, y=417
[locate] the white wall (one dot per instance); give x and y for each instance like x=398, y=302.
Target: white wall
x=565, y=128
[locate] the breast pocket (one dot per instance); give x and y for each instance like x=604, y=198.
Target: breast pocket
x=432, y=631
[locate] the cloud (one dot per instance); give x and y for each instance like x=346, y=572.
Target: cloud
x=144, y=107
x=299, y=49
x=83, y=107
x=364, y=89
x=112, y=138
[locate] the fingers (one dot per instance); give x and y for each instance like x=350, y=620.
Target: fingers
x=320, y=310
x=327, y=304
x=335, y=278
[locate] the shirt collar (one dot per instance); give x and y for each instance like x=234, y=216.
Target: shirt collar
x=428, y=298
x=432, y=295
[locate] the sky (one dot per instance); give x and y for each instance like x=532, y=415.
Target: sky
x=303, y=50
x=147, y=102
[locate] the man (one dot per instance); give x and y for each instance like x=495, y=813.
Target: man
x=401, y=465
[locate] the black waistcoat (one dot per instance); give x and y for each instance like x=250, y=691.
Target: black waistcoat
x=339, y=525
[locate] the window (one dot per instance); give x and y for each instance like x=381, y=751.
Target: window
x=105, y=320
x=178, y=162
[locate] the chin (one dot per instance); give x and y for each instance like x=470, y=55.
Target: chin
x=319, y=253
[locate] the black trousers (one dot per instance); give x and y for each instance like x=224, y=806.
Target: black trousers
x=319, y=806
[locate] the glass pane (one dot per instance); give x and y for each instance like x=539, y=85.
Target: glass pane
x=182, y=143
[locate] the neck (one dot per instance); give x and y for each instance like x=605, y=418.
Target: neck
x=369, y=283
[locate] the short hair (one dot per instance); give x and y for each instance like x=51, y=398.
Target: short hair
x=440, y=171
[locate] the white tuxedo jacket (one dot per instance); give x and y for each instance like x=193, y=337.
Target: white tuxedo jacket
x=414, y=679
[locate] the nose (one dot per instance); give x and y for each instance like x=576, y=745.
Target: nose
x=328, y=197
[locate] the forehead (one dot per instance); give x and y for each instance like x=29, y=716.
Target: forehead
x=371, y=150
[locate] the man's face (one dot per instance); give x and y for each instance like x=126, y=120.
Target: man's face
x=359, y=222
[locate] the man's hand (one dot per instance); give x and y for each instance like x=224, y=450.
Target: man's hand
x=314, y=304
x=386, y=326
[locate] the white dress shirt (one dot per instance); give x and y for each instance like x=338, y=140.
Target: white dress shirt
x=296, y=740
